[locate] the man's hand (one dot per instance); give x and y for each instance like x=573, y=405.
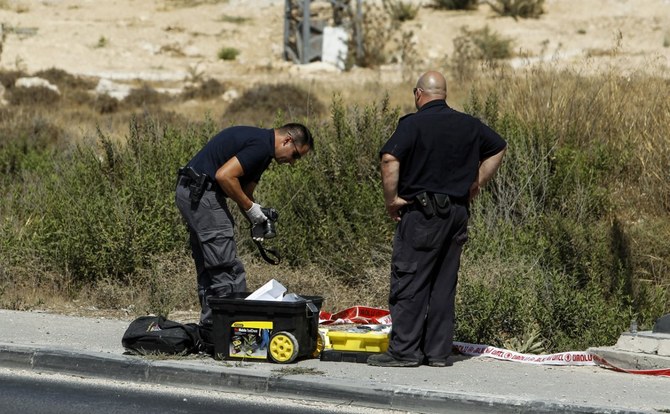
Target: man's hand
x=255, y=214
x=474, y=190
x=393, y=208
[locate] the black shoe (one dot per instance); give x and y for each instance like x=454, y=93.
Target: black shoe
x=386, y=360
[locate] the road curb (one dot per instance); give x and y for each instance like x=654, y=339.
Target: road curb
x=185, y=373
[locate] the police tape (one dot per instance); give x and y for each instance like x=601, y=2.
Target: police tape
x=561, y=358
x=574, y=358
x=376, y=316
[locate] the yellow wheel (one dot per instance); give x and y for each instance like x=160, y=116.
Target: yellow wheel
x=283, y=348
x=320, y=345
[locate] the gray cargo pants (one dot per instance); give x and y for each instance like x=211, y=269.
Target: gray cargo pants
x=211, y=227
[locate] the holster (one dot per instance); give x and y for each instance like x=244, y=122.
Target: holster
x=197, y=185
x=442, y=204
x=425, y=204
x=434, y=204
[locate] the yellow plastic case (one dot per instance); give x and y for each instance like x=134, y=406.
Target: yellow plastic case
x=376, y=342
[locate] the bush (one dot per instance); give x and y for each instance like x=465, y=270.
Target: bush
x=209, y=89
x=105, y=104
x=260, y=105
x=8, y=78
x=472, y=47
x=228, y=53
x=64, y=80
x=124, y=203
x=33, y=96
x=490, y=45
x=383, y=40
x=26, y=130
x=319, y=222
x=145, y=96
x=456, y=4
x=518, y=8
x=377, y=29
x=400, y=11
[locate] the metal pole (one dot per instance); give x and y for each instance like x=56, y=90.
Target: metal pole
x=287, y=16
x=359, y=30
x=306, y=31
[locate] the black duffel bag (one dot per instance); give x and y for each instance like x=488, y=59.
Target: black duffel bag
x=156, y=335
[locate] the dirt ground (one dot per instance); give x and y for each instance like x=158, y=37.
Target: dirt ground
x=172, y=41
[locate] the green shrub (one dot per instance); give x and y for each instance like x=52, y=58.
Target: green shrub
x=319, y=222
x=124, y=203
x=376, y=31
x=64, y=80
x=228, y=53
x=26, y=132
x=491, y=45
x=8, y=78
x=549, y=207
x=293, y=101
x=145, y=96
x=34, y=96
x=518, y=8
x=456, y=4
x=102, y=42
x=233, y=19
x=472, y=47
x=105, y=104
x=400, y=10
x=209, y=89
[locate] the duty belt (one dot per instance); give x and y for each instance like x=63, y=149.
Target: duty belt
x=434, y=204
x=197, y=183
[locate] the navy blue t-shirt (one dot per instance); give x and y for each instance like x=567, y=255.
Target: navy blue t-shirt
x=253, y=147
x=440, y=149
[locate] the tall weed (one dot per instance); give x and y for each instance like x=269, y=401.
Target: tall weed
x=330, y=203
x=104, y=211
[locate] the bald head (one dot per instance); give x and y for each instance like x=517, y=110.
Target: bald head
x=431, y=86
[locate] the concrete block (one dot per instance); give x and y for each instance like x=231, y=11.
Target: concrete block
x=637, y=343
x=631, y=360
x=664, y=348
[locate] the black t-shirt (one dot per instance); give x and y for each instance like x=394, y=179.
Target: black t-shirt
x=253, y=147
x=440, y=149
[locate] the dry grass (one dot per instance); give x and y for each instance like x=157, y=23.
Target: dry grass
x=170, y=288
x=313, y=281
x=631, y=112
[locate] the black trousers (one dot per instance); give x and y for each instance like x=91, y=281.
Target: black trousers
x=211, y=227
x=424, y=273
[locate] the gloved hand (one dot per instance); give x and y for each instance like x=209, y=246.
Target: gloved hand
x=255, y=214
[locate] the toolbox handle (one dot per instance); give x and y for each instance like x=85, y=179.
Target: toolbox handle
x=311, y=309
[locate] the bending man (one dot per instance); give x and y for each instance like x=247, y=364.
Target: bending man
x=229, y=167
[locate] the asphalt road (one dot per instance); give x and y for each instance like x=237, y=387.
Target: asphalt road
x=26, y=392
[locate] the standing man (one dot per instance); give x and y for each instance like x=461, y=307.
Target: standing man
x=432, y=166
x=229, y=166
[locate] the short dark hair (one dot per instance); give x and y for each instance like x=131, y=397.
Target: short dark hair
x=300, y=134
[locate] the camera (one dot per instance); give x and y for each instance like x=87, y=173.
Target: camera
x=266, y=229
